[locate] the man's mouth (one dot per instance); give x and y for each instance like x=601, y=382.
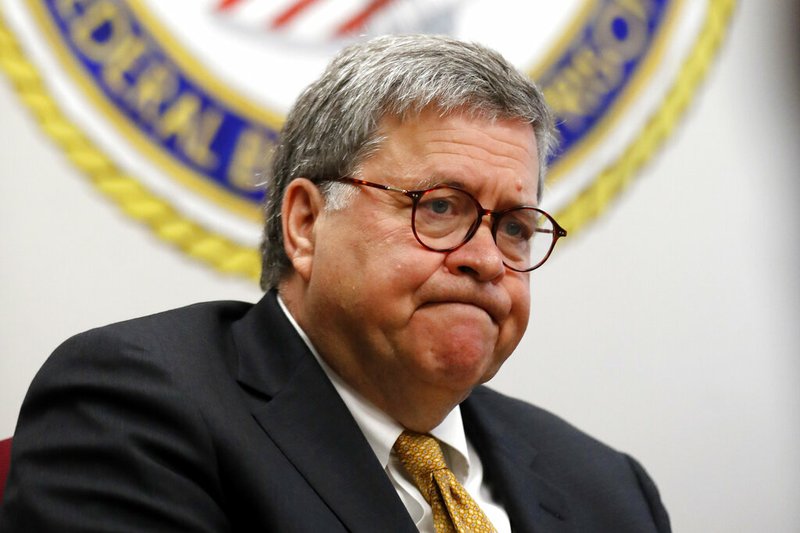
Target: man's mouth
x=468, y=304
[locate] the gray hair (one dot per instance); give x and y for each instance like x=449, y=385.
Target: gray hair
x=333, y=126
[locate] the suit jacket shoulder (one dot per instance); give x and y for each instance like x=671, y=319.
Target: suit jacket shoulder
x=213, y=417
x=549, y=472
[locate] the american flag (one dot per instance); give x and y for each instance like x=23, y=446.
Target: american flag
x=325, y=20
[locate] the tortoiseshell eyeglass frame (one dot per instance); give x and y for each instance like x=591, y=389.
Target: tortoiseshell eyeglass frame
x=555, y=233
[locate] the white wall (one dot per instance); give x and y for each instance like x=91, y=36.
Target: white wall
x=669, y=329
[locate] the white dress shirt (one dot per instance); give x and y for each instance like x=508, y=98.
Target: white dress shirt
x=381, y=432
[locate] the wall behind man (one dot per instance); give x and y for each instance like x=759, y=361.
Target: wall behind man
x=668, y=329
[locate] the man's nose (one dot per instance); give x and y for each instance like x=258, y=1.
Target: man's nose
x=479, y=257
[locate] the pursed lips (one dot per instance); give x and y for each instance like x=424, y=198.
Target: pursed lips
x=491, y=306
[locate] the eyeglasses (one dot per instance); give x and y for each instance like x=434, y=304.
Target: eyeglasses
x=444, y=218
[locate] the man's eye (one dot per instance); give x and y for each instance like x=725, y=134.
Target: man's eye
x=513, y=229
x=440, y=206
x=516, y=230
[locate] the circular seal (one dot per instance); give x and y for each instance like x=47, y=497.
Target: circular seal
x=173, y=108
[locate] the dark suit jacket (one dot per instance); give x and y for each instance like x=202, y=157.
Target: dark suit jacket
x=216, y=417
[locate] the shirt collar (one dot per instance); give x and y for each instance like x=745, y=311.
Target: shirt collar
x=380, y=430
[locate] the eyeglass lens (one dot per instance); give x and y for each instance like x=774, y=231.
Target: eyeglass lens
x=446, y=217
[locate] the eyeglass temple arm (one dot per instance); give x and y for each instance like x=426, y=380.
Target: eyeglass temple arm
x=557, y=231
x=348, y=179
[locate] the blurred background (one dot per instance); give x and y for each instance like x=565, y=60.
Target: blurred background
x=669, y=329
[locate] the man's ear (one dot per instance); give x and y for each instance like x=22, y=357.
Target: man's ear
x=302, y=206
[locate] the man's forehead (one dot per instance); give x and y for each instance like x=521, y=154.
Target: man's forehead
x=434, y=113
x=462, y=126
x=442, y=138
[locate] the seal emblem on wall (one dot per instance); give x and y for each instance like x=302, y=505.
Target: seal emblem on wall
x=173, y=108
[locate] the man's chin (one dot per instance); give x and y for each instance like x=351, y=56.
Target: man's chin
x=463, y=366
x=462, y=352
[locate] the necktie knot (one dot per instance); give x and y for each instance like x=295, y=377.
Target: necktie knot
x=453, y=508
x=420, y=454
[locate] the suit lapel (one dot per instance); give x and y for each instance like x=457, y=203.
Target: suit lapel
x=509, y=464
x=296, y=405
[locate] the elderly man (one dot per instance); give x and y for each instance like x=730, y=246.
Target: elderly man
x=402, y=227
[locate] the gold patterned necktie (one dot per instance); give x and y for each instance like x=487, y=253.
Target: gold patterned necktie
x=454, y=510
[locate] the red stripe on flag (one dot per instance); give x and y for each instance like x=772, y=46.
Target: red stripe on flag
x=291, y=12
x=227, y=4
x=360, y=18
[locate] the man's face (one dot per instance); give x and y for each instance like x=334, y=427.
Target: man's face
x=395, y=319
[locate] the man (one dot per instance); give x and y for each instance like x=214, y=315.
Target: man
x=401, y=231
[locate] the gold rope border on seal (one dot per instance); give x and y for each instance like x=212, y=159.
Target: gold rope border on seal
x=595, y=199
x=221, y=253
x=133, y=199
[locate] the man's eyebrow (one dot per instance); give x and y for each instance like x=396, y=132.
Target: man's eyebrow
x=451, y=181
x=435, y=181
